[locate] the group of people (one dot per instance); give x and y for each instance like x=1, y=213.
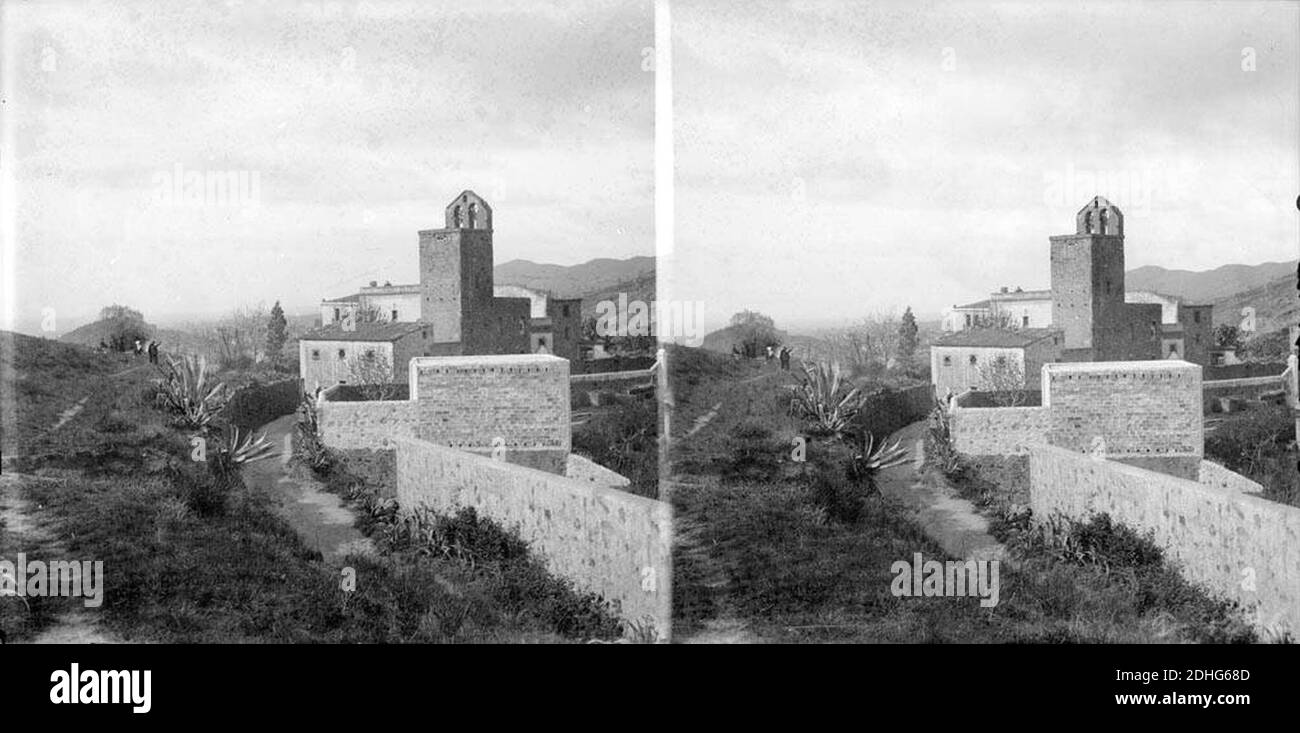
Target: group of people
x=139, y=347
x=783, y=355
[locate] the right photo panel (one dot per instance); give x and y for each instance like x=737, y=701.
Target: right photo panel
x=997, y=323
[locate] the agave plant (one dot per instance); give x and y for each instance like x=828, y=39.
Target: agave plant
x=245, y=448
x=825, y=399
x=236, y=448
x=189, y=390
x=869, y=458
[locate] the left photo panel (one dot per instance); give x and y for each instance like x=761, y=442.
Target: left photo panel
x=329, y=322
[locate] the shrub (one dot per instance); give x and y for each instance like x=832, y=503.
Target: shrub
x=824, y=399
x=307, y=446
x=190, y=392
x=257, y=404
x=939, y=450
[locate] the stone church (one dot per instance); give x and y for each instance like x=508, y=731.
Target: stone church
x=455, y=310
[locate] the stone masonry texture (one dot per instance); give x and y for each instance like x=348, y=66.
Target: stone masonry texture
x=1234, y=544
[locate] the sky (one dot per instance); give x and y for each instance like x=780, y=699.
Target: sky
x=837, y=160
x=339, y=129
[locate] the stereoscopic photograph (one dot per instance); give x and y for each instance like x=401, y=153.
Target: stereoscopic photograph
x=643, y=322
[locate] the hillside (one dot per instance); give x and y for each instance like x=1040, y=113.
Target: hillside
x=1275, y=303
x=575, y=281
x=723, y=339
x=641, y=288
x=92, y=333
x=1211, y=285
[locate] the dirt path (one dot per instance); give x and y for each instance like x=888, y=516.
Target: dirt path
x=76, y=625
x=953, y=522
x=321, y=518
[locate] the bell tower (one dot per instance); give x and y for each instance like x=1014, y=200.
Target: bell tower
x=456, y=269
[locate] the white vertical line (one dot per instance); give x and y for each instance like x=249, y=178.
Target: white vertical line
x=663, y=142
x=8, y=189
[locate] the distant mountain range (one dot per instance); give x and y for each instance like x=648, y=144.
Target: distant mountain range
x=1211, y=285
x=593, y=281
x=574, y=281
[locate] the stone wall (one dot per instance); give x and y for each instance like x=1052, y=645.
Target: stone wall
x=512, y=406
x=606, y=541
x=1246, y=388
x=1234, y=544
x=1143, y=413
x=1213, y=474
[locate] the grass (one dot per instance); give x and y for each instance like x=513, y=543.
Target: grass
x=189, y=558
x=624, y=439
x=1259, y=443
x=760, y=546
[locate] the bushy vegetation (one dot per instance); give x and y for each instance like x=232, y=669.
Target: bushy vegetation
x=624, y=439
x=500, y=582
x=192, y=554
x=803, y=552
x=1259, y=443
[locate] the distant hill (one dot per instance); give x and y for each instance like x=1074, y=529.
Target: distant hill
x=1275, y=303
x=1211, y=285
x=641, y=288
x=575, y=281
x=723, y=339
x=92, y=333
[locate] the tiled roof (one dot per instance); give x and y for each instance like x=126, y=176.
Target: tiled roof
x=353, y=298
x=363, y=332
x=997, y=337
x=977, y=304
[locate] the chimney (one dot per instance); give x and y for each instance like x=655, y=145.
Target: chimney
x=373, y=283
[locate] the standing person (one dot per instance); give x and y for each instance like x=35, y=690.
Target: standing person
x=785, y=358
x=770, y=354
x=138, y=347
x=153, y=352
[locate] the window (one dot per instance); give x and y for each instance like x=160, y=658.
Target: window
x=973, y=360
x=1196, y=316
x=566, y=332
x=425, y=335
x=967, y=320
x=336, y=314
x=1025, y=321
x=342, y=354
x=566, y=311
x=394, y=315
x=315, y=354
x=947, y=361
x=1108, y=286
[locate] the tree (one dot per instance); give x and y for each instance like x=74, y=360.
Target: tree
x=124, y=326
x=373, y=375
x=370, y=313
x=754, y=330
x=1005, y=379
x=276, y=333
x=1227, y=336
x=907, y=337
x=1273, y=347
